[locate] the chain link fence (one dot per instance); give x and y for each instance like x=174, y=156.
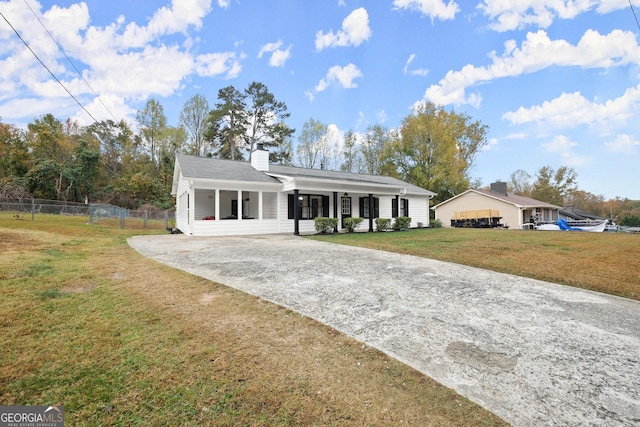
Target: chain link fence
x=96, y=212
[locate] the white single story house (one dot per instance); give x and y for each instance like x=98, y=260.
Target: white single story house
x=216, y=197
x=516, y=211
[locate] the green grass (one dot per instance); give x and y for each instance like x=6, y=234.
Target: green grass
x=122, y=340
x=603, y=262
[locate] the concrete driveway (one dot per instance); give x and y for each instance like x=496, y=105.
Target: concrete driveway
x=532, y=352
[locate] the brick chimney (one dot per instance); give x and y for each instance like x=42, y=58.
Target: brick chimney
x=499, y=187
x=260, y=158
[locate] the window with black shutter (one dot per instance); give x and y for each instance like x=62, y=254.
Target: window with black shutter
x=310, y=206
x=364, y=207
x=404, y=210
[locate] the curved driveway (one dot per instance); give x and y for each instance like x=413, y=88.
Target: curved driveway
x=532, y=352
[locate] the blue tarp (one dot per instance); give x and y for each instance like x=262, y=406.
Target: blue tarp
x=564, y=226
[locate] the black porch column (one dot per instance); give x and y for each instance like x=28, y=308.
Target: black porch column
x=335, y=208
x=296, y=214
x=371, y=213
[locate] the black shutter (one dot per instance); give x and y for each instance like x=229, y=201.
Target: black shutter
x=361, y=207
x=394, y=208
x=376, y=207
x=325, y=206
x=290, y=206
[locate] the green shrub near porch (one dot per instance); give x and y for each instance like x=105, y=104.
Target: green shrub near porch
x=402, y=223
x=383, y=224
x=325, y=225
x=352, y=223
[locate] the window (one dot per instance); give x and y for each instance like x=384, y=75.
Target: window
x=346, y=206
x=404, y=207
x=310, y=207
x=364, y=207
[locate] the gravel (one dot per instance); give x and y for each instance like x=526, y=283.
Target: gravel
x=532, y=352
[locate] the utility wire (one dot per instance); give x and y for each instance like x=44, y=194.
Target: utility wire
x=69, y=59
x=634, y=14
x=47, y=68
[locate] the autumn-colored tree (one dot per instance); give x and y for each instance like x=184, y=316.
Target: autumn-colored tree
x=435, y=150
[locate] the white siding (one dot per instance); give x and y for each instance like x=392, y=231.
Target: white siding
x=205, y=203
x=269, y=205
x=182, y=218
x=419, y=211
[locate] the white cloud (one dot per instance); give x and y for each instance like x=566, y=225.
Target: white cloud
x=422, y=72
x=355, y=30
x=213, y=64
x=224, y=3
x=536, y=53
x=623, y=143
x=177, y=19
x=573, y=109
x=432, y=8
x=125, y=62
x=518, y=14
x=563, y=147
x=345, y=76
x=278, y=56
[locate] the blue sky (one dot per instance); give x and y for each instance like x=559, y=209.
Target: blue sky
x=556, y=81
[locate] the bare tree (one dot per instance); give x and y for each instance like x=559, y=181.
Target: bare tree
x=193, y=119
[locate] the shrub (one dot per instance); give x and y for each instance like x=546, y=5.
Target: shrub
x=352, y=223
x=435, y=223
x=325, y=225
x=402, y=223
x=383, y=224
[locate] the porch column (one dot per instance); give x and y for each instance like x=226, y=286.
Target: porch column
x=371, y=213
x=296, y=215
x=240, y=203
x=191, y=208
x=217, y=206
x=335, y=208
x=259, y=204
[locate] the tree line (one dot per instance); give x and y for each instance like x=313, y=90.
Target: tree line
x=131, y=164
x=559, y=187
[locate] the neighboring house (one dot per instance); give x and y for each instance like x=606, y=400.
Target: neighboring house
x=223, y=197
x=516, y=211
x=571, y=213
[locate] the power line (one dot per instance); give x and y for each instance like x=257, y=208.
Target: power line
x=47, y=68
x=69, y=60
x=634, y=14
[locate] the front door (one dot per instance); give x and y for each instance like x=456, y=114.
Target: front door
x=346, y=209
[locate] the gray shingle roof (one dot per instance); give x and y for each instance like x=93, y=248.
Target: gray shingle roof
x=227, y=170
x=230, y=170
x=321, y=174
x=519, y=200
x=509, y=198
